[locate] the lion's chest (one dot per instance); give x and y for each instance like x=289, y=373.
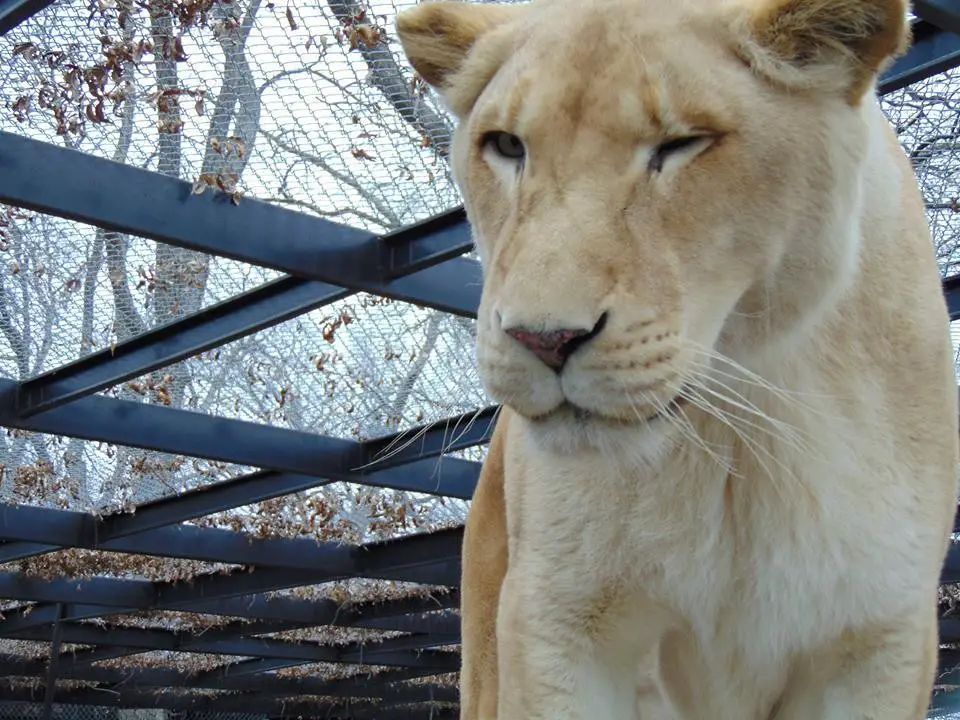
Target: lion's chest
x=754, y=572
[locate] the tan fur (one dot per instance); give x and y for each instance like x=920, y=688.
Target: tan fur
x=771, y=549
x=484, y=567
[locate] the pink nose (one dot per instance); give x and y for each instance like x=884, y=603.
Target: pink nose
x=553, y=347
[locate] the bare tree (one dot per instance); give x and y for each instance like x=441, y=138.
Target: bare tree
x=128, y=77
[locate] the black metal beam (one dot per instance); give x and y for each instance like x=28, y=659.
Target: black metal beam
x=251, y=676
x=944, y=14
x=48, y=178
x=398, y=559
x=51, y=680
x=231, y=631
x=214, y=326
x=97, y=597
x=949, y=630
x=432, y=558
x=380, y=460
x=951, y=291
x=72, y=529
x=242, y=670
x=176, y=596
x=452, y=477
x=14, y=12
x=420, y=711
x=388, y=652
x=424, y=244
x=933, y=51
x=166, y=429
x=415, y=702
x=31, y=525
x=412, y=551
x=172, y=430
x=108, y=592
x=428, y=630
x=198, y=502
x=950, y=572
x=415, y=614
x=75, y=659
x=949, y=658
x=945, y=704
x=224, y=642
x=441, y=628
x=442, y=624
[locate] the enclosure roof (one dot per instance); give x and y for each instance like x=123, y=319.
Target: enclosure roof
x=237, y=302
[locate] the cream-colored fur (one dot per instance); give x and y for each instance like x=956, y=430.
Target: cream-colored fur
x=769, y=549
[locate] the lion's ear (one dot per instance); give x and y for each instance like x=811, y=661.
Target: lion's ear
x=437, y=37
x=833, y=44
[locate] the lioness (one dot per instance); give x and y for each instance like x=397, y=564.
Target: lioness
x=725, y=475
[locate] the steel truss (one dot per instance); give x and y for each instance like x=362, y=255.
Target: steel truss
x=422, y=264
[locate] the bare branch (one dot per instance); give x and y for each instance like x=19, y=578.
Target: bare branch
x=324, y=213
x=390, y=219
x=387, y=76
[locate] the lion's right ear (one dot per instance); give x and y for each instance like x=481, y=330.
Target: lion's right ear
x=835, y=44
x=437, y=37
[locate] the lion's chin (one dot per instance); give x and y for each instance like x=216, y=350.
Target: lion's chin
x=569, y=428
x=568, y=411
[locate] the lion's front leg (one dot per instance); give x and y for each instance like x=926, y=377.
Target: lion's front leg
x=882, y=674
x=485, y=557
x=552, y=666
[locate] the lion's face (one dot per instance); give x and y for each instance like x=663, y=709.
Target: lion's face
x=642, y=192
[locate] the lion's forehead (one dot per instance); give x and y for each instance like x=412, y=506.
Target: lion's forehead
x=624, y=84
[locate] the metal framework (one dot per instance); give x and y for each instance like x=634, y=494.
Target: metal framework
x=422, y=264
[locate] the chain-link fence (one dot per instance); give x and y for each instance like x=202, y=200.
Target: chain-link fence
x=307, y=105
x=34, y=711
x=312, y=107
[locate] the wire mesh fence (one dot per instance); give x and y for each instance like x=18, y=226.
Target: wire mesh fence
x=312, y=107
x=34, y=711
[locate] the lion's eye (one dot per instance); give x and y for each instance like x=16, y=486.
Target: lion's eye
x=505, y=145
x=673, y=147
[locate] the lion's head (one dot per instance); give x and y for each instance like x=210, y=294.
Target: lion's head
x=648, y=180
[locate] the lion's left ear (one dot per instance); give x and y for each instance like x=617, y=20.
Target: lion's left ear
x=830, y=44
x=438, y=37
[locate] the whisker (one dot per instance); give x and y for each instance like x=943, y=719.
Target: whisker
x=749, y=377
x=446, y=448
x=786, y=431
x=470, y=423
x=383, y=455
x=753, y=445
x=680, y=420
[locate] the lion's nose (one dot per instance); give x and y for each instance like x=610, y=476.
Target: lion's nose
x=554, y=347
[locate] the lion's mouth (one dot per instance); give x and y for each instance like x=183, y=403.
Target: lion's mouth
x=582, y=415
